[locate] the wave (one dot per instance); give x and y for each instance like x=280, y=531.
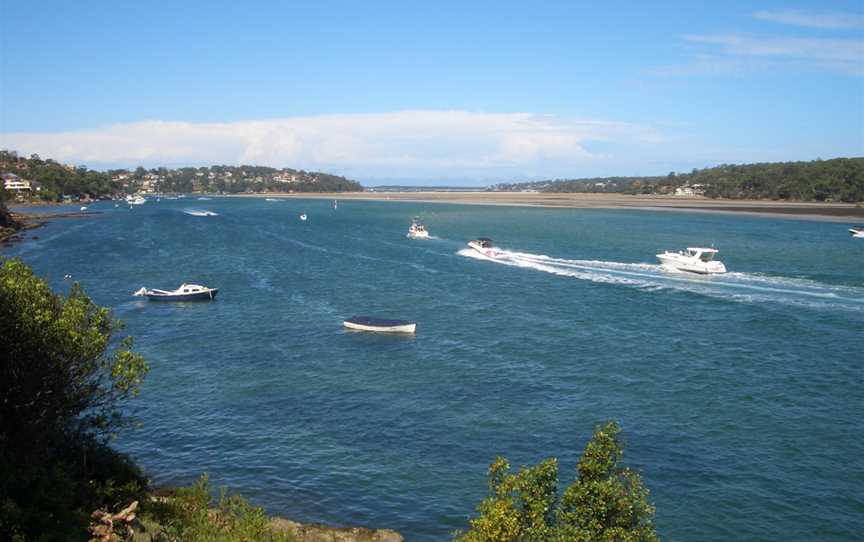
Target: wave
x=199, y=212
x=746, y=287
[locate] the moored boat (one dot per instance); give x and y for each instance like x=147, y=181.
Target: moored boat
x=186, y=292
x=303, y=216
x=417, y=230
x=483, y=245
x=135, y=200
x=380, y=325
x=693, y=260
x=857, y=232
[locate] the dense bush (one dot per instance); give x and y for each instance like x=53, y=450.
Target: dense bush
x=606, y=502
x=61, y=389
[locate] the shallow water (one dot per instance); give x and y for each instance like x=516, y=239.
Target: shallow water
x=740, y=395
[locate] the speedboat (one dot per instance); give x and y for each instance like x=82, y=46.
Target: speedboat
x=186, y=292
x=857, y=232
x=381, y=325
x=303, y=216
x=417, y=230
x=135, y=200
x=483, y=245
x=693, y=260
x=199, y=212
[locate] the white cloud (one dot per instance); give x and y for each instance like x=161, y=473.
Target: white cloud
x=404, y=143
x=813, y=20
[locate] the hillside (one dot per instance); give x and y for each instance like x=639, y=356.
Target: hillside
x=838, y=179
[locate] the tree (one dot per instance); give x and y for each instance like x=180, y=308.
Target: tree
x=62, y=387
x=606, y=502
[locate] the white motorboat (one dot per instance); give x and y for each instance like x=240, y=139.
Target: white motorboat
x=135, y=200
x=381, y=325
x=303, y=216
x=483, y=245
x=857, y=232
x=417, y=230
x=199, y=212
x=693, y=260
x=186, y=292
x=83, y=207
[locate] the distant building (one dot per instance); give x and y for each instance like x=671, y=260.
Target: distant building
x=14, y=183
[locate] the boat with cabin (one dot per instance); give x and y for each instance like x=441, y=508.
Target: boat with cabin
x=417, y=230
x=135, y=200
x=483, y=245
x=857, y=232
x=186, y=292
x=692, y=260
x=380, y=325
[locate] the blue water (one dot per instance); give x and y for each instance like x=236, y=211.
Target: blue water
x=740, y=396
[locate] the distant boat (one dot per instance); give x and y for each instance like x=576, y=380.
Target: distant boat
x=335, y=204
x=303, y=216
x=203, y=199
x=83, y=207
x=199, y=212
x=186, y=292
x=135, y=200
x=270, y=199
x=693, y=260
x=417, y=230
x=857, y=232
x=380, y=325
x=483, y=245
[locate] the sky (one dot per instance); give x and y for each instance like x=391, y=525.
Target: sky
x=455, y=93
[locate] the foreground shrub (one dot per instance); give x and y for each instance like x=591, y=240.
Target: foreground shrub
x=606, y=502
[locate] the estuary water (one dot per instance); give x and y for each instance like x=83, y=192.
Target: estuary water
x=740, y=396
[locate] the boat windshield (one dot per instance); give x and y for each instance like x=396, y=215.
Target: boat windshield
x=706, y=256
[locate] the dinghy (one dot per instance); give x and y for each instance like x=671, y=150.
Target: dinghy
x=381, y=325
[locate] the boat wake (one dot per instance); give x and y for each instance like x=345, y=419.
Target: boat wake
x=744, y=287
x=199, y=212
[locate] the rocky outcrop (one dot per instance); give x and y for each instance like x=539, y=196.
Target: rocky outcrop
x=312, y=532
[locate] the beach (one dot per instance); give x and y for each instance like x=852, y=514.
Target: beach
x=829, y=212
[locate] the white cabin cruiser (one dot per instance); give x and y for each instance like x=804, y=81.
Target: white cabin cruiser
x=857, y=232
x=483, y=245
x=186, y=292
x=417, y=230
x=135, y=200
x=693, y=260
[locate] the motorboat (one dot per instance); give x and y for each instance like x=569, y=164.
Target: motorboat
x=303, y=216
x=271, y=199
x=857, y=232
x=380, y=325
x=417, y=230
x=83, y=207
x=200, y=212
x=693, y=260
x=483, y=245
x=186, y=292
x=135, y=200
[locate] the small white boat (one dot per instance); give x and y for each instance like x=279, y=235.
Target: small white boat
x=483, y=245
x=186, y=292
x=83, y=207
x=380, y=325
x=199, y=212
x=693, y=260
x=417, y=230
x=135, y=200
x=202, y=198
x=270, y=199
x=857, y=232
x=303, y=216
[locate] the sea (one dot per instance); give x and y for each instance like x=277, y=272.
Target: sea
x=740, y=396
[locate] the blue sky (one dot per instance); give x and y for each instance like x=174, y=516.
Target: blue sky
x=446, y=92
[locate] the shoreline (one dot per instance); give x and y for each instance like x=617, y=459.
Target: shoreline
x=825, y=212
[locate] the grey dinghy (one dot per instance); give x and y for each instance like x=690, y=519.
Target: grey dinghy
x=381, y=325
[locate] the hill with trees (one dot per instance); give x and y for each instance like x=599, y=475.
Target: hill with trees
x=52, y=180
x=835, y=180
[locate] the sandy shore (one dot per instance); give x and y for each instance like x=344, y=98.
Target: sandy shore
x=833, y=212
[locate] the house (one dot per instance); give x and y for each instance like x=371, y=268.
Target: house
x=14, y=183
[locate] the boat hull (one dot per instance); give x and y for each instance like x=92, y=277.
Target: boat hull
x=197, y=296
x=700, y=268
x=380, y=326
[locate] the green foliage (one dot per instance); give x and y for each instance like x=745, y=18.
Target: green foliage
x=838, y=179
x=62, y=388
x=606, y=502
x=189, y=516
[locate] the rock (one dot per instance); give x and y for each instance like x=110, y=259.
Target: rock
x=312, y=532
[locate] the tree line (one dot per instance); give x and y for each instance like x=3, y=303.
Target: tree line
x=834, y=180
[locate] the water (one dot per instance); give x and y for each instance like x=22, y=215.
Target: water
x=740, y=396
